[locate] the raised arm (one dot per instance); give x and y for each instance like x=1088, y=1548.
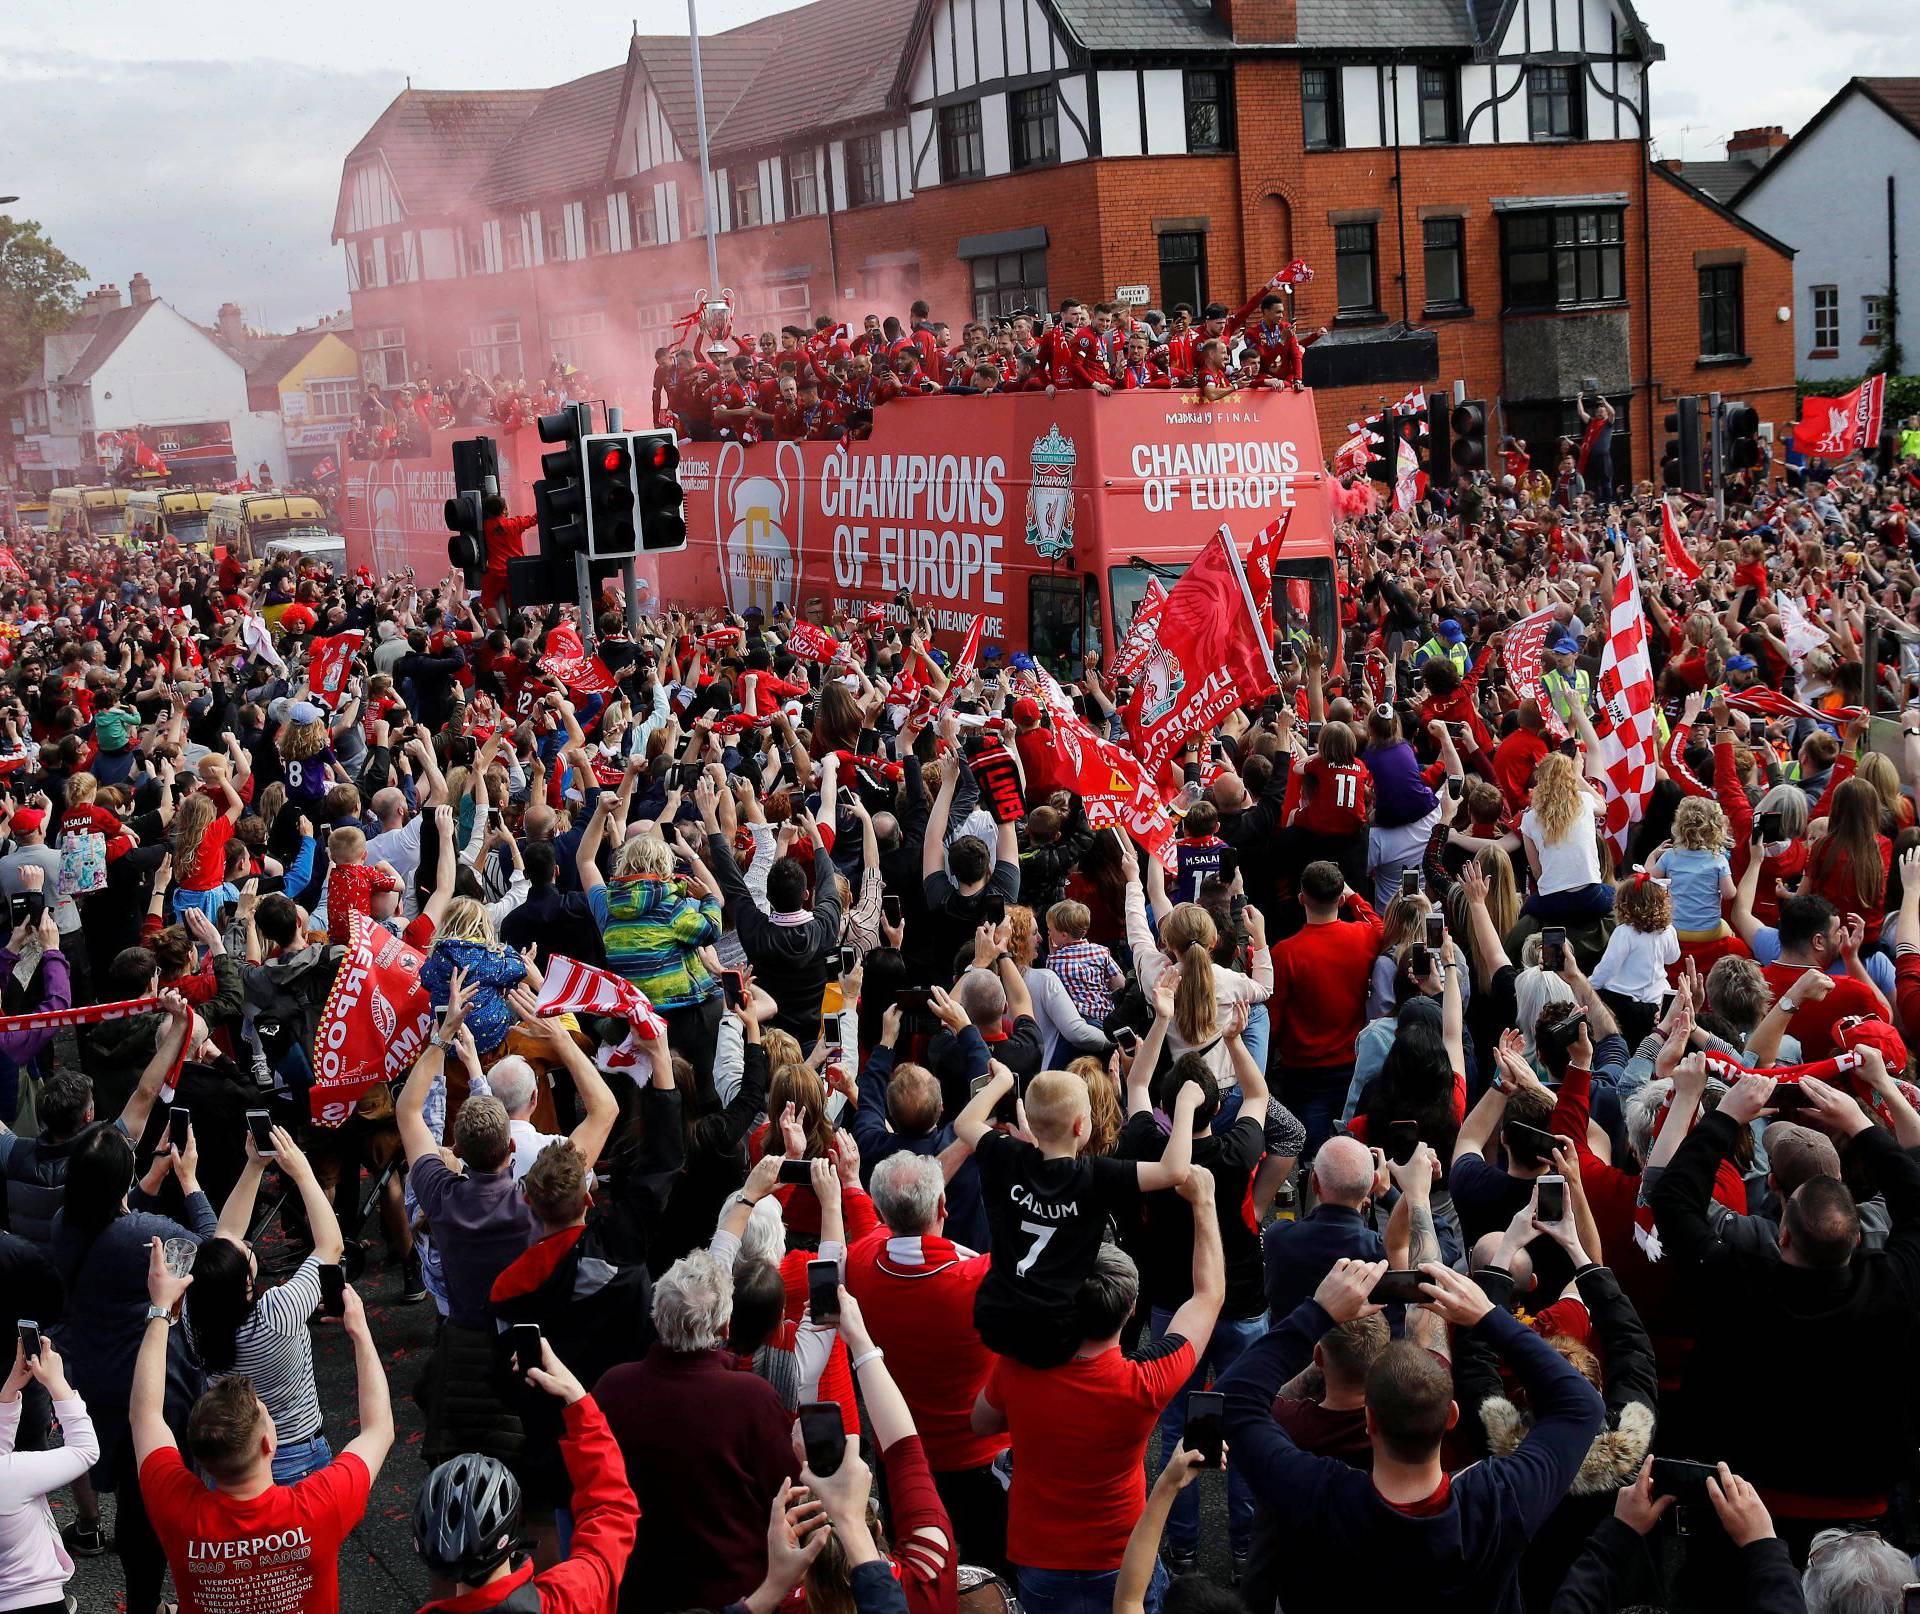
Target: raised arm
x=166, y=1054
x=934, y=844
x=1175, y=1164
x=375, y=1436
x=973, y=1122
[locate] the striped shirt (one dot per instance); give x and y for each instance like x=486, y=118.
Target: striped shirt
x=653, y=933
x=274, y=1349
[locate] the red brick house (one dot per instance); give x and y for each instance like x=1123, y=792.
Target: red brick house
x=1469, y=178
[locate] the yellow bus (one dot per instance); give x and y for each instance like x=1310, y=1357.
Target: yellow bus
x=89, y=512
x=176, y=513
x=250, y=524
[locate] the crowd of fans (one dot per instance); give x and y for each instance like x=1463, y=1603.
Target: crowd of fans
x=1519, y=1225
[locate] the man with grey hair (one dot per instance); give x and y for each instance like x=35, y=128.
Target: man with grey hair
x=1300, y=1253
x=916, y=1289
x=1855, y=1572
x=517, y=1086
x=1080, y=1429
x=707, y=1448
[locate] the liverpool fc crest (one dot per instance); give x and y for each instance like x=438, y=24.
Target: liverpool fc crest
x=1050, y=495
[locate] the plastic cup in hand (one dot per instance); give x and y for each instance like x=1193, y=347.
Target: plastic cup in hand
x=178, y=1254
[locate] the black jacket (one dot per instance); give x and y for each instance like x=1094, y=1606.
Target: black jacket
x=792, y=962
x=1614, y=1550
x=1838, y=1435
x=1044, y=869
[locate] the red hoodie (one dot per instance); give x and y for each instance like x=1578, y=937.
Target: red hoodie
x=605, y=1517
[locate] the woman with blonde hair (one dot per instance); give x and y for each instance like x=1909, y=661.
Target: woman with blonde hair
x=1186, y=944
x=202, y=826
x=1896, y=810
x=466, y=941
x=1559, y=832
x=1403, y=924
x=306, y=756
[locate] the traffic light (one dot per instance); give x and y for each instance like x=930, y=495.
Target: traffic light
x=476, y=472
x=560, y=497
x=1469, y=425
x=1434, y=457
x=1740, y=437
x=612, y=496
x=1680, y=457
x=1384, y=434
x=663, y=524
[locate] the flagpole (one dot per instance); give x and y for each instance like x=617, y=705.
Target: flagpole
x=711, y=206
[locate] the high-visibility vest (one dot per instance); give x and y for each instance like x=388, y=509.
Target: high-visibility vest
x=1454, y=653
x=1910, y=443
x=1568, y=694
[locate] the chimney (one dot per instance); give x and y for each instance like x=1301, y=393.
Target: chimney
x=1259, y=22
x=102, y=299
x=232, y=326
x=1673, y=165
x=140, y=289
x=1756, y=146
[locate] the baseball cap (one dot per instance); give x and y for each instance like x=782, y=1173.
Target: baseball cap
x=29, y=820
x=1450, y=632
x=304, y=712
x=1742, y=664
x=1026, y=710
x=1563, y=643
x=1870, y=1031
x=1796, y=1153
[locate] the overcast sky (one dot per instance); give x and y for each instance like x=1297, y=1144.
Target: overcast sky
x=201, y=141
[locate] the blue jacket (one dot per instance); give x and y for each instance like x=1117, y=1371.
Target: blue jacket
x=1299, y=1254
x=1329, y=1519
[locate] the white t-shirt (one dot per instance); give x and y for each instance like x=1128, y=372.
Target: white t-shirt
x=1571, y=862
x=527, y=1144
x=1635, y=962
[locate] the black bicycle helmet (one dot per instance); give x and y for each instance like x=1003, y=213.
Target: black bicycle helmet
x=467, y=1518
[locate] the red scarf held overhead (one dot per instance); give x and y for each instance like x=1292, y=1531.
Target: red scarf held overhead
x=95, y=1014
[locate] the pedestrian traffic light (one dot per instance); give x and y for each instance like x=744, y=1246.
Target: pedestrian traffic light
x=560, y=497
x=1682, y=462
x=1469, y=425
x=1740, y=437
x=663, y=524
x=612, y=496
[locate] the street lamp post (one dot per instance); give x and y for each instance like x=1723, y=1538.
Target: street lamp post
x=706, y=163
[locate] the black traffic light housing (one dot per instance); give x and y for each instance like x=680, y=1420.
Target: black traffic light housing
x=612, y=496
x=1740, y=437
x=1384, y=451
x=663, y=522
x=1469, y=427
x=1681, y=459
x=1434, y=458
x=560, y=496
x=476, y=472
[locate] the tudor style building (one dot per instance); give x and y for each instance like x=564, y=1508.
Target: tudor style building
x=1469, y=178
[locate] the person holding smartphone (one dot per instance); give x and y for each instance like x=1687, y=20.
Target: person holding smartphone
x=34, y=1568
x=239, y=1327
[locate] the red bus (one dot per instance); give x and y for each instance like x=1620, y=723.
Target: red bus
x=1045, y=515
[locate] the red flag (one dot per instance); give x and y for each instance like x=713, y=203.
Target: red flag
x=9, y=566
x=375, y=1022
x=1208, y=657
x=1831, y=428
x=332, y=661
x=811, y=643
x=964, y=662
x=1771, y=703
x=1521, y=653
x=1679, y=562
x=575, y=988
x=1261, y=554
x=1132, y=654
x=568, y=661
x=1115, y=790
x=1628, y=753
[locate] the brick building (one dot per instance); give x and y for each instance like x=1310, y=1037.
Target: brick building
x=1469, y=178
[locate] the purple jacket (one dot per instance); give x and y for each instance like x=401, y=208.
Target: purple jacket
x=1400, y=795
x=56, y=993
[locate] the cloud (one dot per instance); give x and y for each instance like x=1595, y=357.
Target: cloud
x=216, y=179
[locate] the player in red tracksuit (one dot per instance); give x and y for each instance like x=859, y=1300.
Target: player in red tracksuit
x=502, y=533
x=690, y=392
x=736, y=406
x=1140, y=371
x=1069, y=353
x=1277, y=353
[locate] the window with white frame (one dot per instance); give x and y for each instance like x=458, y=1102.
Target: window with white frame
x=383, y=356
x=476, y=251
x=599, y=228
x=569, y=336
x=513, y=243
x=1870, y=318
x=696, y=215
x=1826, y=316
x=743, y=188
x=331, y=399
x=655, y=323
x=397, y=266
x=494, y=349
x=646, y=220
x=803, y=184
x=555, y=229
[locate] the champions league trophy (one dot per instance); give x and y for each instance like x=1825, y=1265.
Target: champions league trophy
x=716, y=315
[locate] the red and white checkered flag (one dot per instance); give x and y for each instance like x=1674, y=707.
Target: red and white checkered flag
x=1627, y=728
x=575, y=988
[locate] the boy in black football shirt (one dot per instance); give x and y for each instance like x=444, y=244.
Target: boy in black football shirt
x=1047, y=1208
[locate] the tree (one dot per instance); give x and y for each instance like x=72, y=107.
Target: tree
x=39, y=293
